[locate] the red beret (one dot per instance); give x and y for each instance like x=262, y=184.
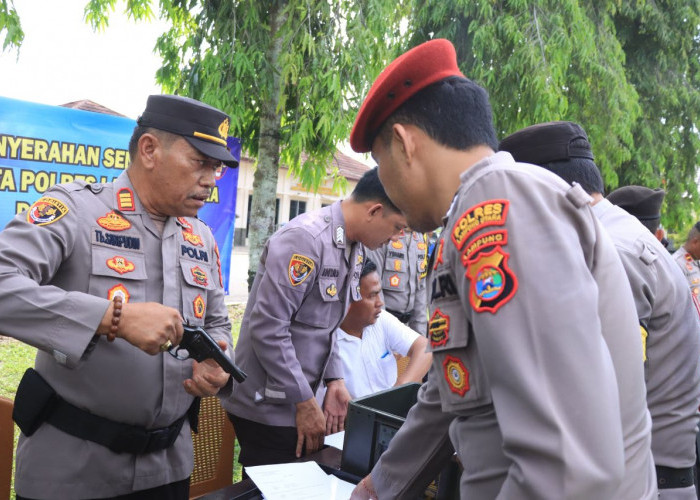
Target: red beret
x=409, y=73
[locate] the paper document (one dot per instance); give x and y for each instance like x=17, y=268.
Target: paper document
x=335, y=440
x=298, y=480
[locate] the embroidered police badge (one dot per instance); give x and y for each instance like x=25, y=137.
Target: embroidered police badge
x=456, y=375
x=193, y=239
x=394, y=280
x=488, y=213
x=199, y=306
x=200, y=276
x=300, y=268
x=439, y=329
x=186, y=226
x=120, y=264
x=397, y=244
x=119, y=290
x=113, y=222
x=46, y=210
x=492, y=282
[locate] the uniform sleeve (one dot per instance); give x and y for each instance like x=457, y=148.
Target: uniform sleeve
x=33, y=311
x=533, y=305
x=418, y=451
x=291, y=265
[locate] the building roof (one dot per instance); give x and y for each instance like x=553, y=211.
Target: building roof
x=349, y=167
x=88, y=105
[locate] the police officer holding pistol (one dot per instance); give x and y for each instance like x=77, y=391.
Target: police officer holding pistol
x=100, y=278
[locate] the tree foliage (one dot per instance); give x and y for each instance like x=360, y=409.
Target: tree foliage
x=10, y=26
x=627, y=71
x=291, y=74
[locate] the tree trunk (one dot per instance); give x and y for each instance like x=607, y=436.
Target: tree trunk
x=262, y=216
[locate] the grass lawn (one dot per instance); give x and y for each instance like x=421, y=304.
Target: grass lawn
x=16, y=357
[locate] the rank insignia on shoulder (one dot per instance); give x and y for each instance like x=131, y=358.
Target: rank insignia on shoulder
x=340, y=235
x=125, y=200
x=492, y=282
x=46, y=210
x=200, y=276
x=439, y=328
x=394, y=280
x=300, y=267
x=456, y=374
x=119, y=290
x=112, y=221
x=332, y=290
x=199, y=307
x=192, y=239
x=120, y=264
x=488, y=213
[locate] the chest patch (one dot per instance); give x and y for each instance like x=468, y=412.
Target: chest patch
x=120, y=264
x=113, y=222
x=456, y=375
x=193, y=239
x=199, y=307
x=439, y=329
x=300, y=267
x=119, y=290
x=199, y=276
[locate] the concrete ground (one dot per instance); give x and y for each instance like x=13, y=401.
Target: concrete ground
x=238, y=278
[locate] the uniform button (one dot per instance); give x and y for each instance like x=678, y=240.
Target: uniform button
x=327, y=218
x=96, y=188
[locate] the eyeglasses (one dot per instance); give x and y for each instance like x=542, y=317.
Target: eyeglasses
x=216, y=165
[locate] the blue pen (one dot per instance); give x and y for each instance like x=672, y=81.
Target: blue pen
x=385, y=355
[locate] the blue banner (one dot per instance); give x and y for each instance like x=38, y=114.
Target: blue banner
x=45, y=145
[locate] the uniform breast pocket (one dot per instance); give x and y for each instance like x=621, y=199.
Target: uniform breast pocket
x=462, y=381
x=196, y=279
x=118, y=272
x=395, y=275
x=322, y=307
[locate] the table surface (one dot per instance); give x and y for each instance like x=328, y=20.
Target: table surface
x=328, y=458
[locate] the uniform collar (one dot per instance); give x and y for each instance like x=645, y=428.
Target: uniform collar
x=602, y=207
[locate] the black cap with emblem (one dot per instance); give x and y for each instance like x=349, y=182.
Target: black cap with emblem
x=642, y=202
x=203, y=126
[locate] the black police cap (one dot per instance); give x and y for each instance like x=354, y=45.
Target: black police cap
x=642, y=202
x=203, y=126
x=547, y=142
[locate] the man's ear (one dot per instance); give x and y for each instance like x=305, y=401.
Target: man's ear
x=148, y=145
x=375, y=209
x=406, y=144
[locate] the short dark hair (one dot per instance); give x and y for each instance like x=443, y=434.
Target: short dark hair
x=369, y=188
x=454, y=112
x=368, y=267
x=581, y=170
x=167, y=137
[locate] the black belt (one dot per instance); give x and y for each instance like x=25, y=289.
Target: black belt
x=402, y=317
x=36, y=402
x=668, y=477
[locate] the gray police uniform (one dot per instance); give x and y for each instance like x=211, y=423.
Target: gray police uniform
x=532, y=324
x=403, y=267
x=84, y=244
x=690, y=269
x=671, y=337
x=287, y=345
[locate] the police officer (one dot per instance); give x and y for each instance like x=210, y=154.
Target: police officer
x=667, y=317
x=687, y=258
x=537, y=382
x=403, y=266
x=645, y=204
x=99, y=277
x=308, y=273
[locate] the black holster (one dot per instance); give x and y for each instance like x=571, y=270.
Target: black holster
x=37, y=402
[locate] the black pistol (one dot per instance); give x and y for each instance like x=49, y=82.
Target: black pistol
x=201, y=346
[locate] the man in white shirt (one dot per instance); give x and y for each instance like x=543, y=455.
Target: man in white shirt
x=368, y=337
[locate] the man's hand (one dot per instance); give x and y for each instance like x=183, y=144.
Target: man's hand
x=364, y=490
x=207, y=377
x=310, y=426
x=146, y=325
x=335, y=406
